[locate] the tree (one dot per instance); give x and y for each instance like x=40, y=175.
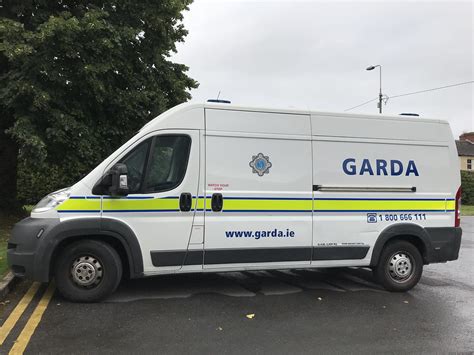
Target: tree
x=467, y=186
x=77, y=80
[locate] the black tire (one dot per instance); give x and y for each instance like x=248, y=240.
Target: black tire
x=400, y=266
x=95, y=257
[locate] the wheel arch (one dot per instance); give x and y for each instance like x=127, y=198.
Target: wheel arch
x=412, y=233
x=114, y=232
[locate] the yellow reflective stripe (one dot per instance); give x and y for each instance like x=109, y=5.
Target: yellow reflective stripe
x=247, y=204
x=267, y=205
x=200, y=203
x=138, y=205
x=335, y=205
x=377, y=205
x=80, y=205
x=450, y=205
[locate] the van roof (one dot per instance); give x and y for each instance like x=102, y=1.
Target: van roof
x=188, y=106
x=295, y=111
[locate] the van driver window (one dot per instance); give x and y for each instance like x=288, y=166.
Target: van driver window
x=168, y=163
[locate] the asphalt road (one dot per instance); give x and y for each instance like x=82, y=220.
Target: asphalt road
x=298, y=311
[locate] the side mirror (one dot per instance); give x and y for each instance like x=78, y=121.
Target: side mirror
x=114, y=182
x=119, y=180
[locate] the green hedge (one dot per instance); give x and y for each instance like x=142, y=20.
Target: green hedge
x=34, y=183
x=467, y=184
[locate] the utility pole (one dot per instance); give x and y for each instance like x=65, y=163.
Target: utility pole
x=380, y=84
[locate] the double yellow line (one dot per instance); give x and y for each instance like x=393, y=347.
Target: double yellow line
x=24, y=338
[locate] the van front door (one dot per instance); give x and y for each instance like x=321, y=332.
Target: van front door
x=163, y=174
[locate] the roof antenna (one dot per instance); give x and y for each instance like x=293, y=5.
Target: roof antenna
x=219, y=101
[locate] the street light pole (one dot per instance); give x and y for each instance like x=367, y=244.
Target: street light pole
x=380, y=84
x=380, y=89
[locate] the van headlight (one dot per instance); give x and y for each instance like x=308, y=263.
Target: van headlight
x=52, y=200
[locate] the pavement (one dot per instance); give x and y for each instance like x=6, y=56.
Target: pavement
x=279, y=312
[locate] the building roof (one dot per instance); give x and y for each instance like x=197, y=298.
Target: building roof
x=465, y=148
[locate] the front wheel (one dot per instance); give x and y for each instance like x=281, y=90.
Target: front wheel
x=400, y=266
x=88, y=271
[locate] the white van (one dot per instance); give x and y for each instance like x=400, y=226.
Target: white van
x=216, y=187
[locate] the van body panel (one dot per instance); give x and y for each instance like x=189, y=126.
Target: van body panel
x=257, y=122
x=351, y=152
x=398, y=128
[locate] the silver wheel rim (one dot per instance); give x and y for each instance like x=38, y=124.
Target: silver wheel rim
x=401, y=267
x=86, y=271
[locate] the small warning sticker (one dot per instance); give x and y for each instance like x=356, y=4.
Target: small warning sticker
x=217, y=187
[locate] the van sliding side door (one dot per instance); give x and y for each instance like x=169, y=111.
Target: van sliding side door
x=258, y=191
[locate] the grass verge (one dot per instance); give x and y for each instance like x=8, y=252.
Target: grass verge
x=467, y=210
x=6, y=224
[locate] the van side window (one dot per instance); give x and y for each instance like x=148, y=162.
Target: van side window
x=168, y=163
x=135, y=162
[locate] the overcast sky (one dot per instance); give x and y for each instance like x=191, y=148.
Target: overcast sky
x=313, y=54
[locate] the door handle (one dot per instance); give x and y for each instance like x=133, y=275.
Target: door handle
x=185, y=202
x=217, y=202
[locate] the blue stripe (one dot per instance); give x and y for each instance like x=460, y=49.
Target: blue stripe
x=380, y=199
x=114, y=198
x=345, y=211
x=129, y=197
x=79, y=211
x=267, y=211
x=84, y=197
x=406, y=211
x=120, y=211
x=269, y=198
x=139, y=197
x=285, y=211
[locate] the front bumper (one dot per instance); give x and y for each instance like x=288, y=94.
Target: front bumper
x=27, y=246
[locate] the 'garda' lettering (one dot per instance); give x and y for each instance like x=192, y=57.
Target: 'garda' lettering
x=379, y=167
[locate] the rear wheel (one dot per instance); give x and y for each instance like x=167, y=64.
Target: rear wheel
x=88, y=271
x=400, y=266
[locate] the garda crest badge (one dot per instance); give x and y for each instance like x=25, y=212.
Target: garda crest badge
x=260, y=164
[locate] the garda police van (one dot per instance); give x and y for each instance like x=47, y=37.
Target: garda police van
x=214, y=187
